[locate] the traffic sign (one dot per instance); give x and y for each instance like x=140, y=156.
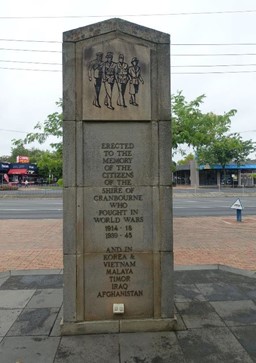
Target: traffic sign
x=237, y=205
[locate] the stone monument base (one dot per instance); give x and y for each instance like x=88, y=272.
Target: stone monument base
x=118, y=326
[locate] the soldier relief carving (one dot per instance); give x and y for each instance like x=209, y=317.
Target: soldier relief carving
x=105, y=74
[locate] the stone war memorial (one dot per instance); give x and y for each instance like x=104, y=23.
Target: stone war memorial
x=117, y=234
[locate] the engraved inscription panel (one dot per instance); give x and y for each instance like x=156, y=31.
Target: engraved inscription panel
x=119, y=275
x=118, y=218
x=119, y=168
x=118, y=155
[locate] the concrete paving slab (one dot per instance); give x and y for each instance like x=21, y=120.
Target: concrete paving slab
x=187, y=292
x=236, y=313
x=247, y=337
x=190, y=274
x=198, y=315
x=46, y=298
x=209, y=276
x=210, y=345
x=3, y=277
x=249, y=289
x=180, y=322
x=34, y=322
x=33, y=282
x=198, y=339
x=221, y=291
x=7, y=318
x=150, y=347
x=88, y=349
x=15, y=299
x=28, y=349
x=56, y=327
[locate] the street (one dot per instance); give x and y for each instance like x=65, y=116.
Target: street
x=52, y=208
x=203, y=207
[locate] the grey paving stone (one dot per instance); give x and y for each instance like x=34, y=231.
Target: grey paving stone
x=33, y=282
x=249, y=288
x=191, y=276
x=34, y=322
x=238, y=276
x=221, y=291
x=3, y=278
x=7, y=318
x=15, y=299
x=197, y=276
x=182, y=277
x=46, y=298
x=28, y=349
x=198, y=315
x=180, y=322
x=56, y=327
x=187, y=292
x=210, y=345
x=88, y=349
x=236, y=313
x=247, y=337
x=150, y=347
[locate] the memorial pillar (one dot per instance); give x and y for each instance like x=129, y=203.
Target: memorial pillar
x=117, y=234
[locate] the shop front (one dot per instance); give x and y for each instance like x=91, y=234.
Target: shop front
x=22, y=173
x=234, y=175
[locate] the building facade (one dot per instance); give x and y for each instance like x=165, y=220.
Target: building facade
x=234, y=175
x=18, y=173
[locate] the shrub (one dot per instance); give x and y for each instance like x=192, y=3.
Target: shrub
x=60, y=182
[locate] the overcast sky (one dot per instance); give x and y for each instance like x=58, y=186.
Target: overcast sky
x=28, y=96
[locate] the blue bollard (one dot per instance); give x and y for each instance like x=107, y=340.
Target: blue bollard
x=239, y=215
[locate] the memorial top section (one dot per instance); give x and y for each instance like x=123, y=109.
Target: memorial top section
x=114, y=25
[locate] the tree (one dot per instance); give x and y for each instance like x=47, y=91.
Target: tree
x=49, y=162
x=52, y=126
x=16, y=151
x=192, y=127
x=224, y=149
x=50, y=165
x=33, y=153
x=186, y=160
x=6, y=158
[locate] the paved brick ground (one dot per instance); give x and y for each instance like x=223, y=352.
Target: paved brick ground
x=37, y=244
x=30, y=244
x=211, y=240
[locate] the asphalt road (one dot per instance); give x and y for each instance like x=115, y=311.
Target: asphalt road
x=51, y=208
x=34, y=208
x=221, y=206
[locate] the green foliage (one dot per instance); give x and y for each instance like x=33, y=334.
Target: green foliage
x=33, y=154
x=60, y=182
x=52, y=126
x=186, y=160
x=192, y=127
x=224, y=149
x=6, y=158
x=50, y=165
x=16, y=151
x=49, y=162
